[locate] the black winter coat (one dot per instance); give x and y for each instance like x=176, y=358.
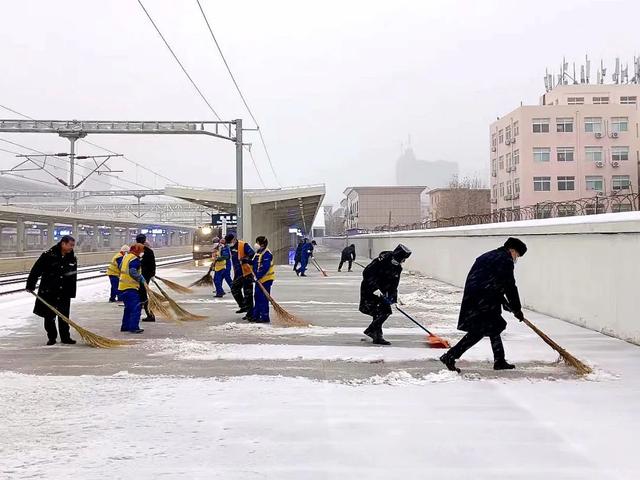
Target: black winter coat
x=489, y=281
x=381, y=275
x=58, y=276
x=148, y=264
x=298, y=254
x=349, y=253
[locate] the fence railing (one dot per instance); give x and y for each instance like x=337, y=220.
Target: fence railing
x=622, y=202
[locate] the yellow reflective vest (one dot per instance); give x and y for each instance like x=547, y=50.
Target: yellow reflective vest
x=127, y=282
x=113, y=270
x=271, y=273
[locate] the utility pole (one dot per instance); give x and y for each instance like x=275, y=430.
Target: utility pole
x=72, y=136
x=239, y=187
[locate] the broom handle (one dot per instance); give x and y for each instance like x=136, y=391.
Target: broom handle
x=53, y=309
x=414, y=321
x=544, y=337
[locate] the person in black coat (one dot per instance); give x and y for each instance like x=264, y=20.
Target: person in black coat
x=148, y=266
x=57, y=270
x=488, y=283
x=298, y=255
x=348, y=255
x=383, y=275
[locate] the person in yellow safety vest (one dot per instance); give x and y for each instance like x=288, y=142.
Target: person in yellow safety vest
x=242, y=261
x=265, y=274
x=113, y=271
x=220, y=267
x=131, y=280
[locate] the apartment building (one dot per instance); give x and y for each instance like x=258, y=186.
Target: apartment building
x=580, y=142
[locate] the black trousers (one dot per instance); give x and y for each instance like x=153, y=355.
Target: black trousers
x=144, y=299
x=342, y=260
x=471, y=338
x=63, y=305
x=242, y=291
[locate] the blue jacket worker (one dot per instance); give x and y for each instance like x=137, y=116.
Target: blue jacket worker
x=113, y=272
x=264, y=272
x=221, y=261
x=242, y=262
x=305, y=254
x=131, y=282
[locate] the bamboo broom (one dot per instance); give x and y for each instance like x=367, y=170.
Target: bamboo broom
x=180, y=312
x=92, y=339
x=176, y=287
x=205, y=281
x=283, y=317
x=566, y=356
x=158, y=305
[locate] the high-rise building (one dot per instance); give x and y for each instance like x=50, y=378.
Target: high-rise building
x=434, y=174
x=580, y=142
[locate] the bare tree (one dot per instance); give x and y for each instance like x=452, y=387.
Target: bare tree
x=470, y=182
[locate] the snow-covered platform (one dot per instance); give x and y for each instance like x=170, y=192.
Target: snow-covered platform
x=225, y=399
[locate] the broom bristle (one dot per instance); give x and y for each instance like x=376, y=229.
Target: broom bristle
x=180, y=312
x=283, y=317
x=90, y=338
x=205, y=281
x=176, y=287
x=158, y=305
x=581, y=368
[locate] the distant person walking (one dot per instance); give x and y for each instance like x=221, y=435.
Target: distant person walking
x=489, y=281
x=348, y=255
x=148, y=266
x=298, y=255
x=57, y=270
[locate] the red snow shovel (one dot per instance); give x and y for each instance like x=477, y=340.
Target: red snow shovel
x=432, y=340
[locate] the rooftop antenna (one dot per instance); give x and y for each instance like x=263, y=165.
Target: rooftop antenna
x=625, y=74
x=603, y=72
x=547, y=87
x=582, y=77
x=616, y=73
x=636, y=70
x=588, y=68
x=574, y=74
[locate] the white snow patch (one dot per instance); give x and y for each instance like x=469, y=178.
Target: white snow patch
x=402, y=378
x=313, y=331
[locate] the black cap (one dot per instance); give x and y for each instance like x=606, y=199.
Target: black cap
x=401, y=253
x=141, y=238
x=516, y=244
x=229, y=237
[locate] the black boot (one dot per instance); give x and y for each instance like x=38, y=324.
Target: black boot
x=449, y=362
x=242, y=310
x=379, y=340
x=502, y=364
x=69, y=341
x=51, y=342
x=151, y=318
x=369, y=332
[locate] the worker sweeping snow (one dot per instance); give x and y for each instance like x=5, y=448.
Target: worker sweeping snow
x=222, y=258
x=242, y=286
x=264, y=272
x=489, y=281
x=131, y=282
x=306, y=252
x=113, y=272
x=348, y=255
x=381, y=275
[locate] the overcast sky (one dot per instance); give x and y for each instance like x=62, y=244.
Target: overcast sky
x=336, y=85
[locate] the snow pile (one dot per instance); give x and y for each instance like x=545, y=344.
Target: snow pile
x=402, y=378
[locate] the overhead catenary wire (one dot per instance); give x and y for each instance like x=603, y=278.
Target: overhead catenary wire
x=242, y=97
x=94, y=145
x=194, y=84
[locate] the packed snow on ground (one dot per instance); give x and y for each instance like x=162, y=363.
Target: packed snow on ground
x=312, y=331
x=393, y=426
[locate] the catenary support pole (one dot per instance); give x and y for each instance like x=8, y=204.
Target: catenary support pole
x=239, y=184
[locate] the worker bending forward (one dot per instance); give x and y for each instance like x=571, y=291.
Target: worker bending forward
x=220, y=267
x=264, y=272
x=381, y=275
x=131, y=281
x=113, y=271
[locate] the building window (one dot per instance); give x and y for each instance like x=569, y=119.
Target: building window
x=629, y=100
x=566, y=183
x=502, y=189
x=542, y=154
x=494, y=140
x=600, y=100
x=620, y=124
x=543, y=211
x=593, y=154
x=507, y=132
x=564, y=125
x=541, y=184
x=494, y=193
x=500, y=136
x=575, y=100
x=619, y=154
x=593, y=124
x=621, y=207
x=620, y=182
x=516, y=157
x=540, y=125
x=494, y=170
x=516, y=186
x=508, y=160
x=509, y=188
x=594, y=183
x=501, y=162
x=564, y=154
x=516, y=129
x=593, y=208
x=566, y=210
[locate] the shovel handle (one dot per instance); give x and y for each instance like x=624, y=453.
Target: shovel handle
x=414, y=321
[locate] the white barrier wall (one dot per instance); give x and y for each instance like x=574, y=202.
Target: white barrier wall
x=581, y=269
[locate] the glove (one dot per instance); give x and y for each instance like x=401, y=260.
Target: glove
x=519, y=315
x=30, y=290
x=387, y=300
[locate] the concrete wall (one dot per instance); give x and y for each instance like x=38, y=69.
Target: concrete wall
x=580, y=269
x=24, y=264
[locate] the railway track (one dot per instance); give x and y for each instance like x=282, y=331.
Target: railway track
x=9, y=283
